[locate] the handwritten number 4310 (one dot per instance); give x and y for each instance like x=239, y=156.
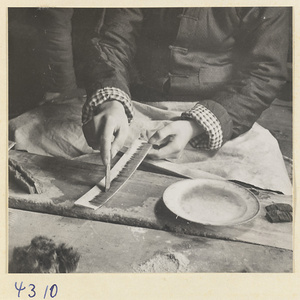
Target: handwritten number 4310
x=52, y=290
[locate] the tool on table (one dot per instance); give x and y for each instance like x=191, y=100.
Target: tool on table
x=279, y=212
x=11, y=144
x=23, y=178
x=174, y=169
x=119, y=174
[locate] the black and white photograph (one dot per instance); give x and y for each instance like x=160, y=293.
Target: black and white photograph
x=150, y=140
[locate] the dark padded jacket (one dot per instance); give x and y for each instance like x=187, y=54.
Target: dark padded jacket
x=231, y=60
x=59, y=74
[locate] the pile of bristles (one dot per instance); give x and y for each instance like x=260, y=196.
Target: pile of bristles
x=44, y=256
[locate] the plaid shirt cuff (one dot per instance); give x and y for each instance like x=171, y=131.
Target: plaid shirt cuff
x=212, y=138
x=90, y=108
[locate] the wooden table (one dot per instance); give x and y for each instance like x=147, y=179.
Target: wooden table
x=135, y=232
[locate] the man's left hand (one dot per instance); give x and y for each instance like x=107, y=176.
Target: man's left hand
x=170, y=141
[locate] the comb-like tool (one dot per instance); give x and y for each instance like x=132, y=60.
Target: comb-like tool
x=119, y=174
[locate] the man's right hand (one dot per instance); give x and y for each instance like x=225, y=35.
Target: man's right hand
x=108, y=130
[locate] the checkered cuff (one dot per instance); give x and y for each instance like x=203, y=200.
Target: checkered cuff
x=91, y=106
x=212, y=138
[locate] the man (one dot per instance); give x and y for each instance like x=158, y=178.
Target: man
x=230, y=61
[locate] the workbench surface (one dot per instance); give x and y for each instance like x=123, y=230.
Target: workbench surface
x=107, y=248
x=148, y=237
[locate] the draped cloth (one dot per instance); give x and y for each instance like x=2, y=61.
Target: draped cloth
x=254, y=157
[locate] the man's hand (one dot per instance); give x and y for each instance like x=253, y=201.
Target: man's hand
x=108, y=130
x=170, y=141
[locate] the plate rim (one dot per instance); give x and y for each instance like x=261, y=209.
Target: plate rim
x=245, y=190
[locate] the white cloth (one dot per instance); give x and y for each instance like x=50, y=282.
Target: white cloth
x=254, y=157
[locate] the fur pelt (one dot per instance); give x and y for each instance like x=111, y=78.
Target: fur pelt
x=44, y=256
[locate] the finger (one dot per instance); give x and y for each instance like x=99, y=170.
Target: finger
x=119, y=141
x=160, y=136
x=89, y=134
x=105, y=139
x=171, y=150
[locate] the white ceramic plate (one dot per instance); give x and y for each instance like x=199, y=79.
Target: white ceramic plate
x=211, y=202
